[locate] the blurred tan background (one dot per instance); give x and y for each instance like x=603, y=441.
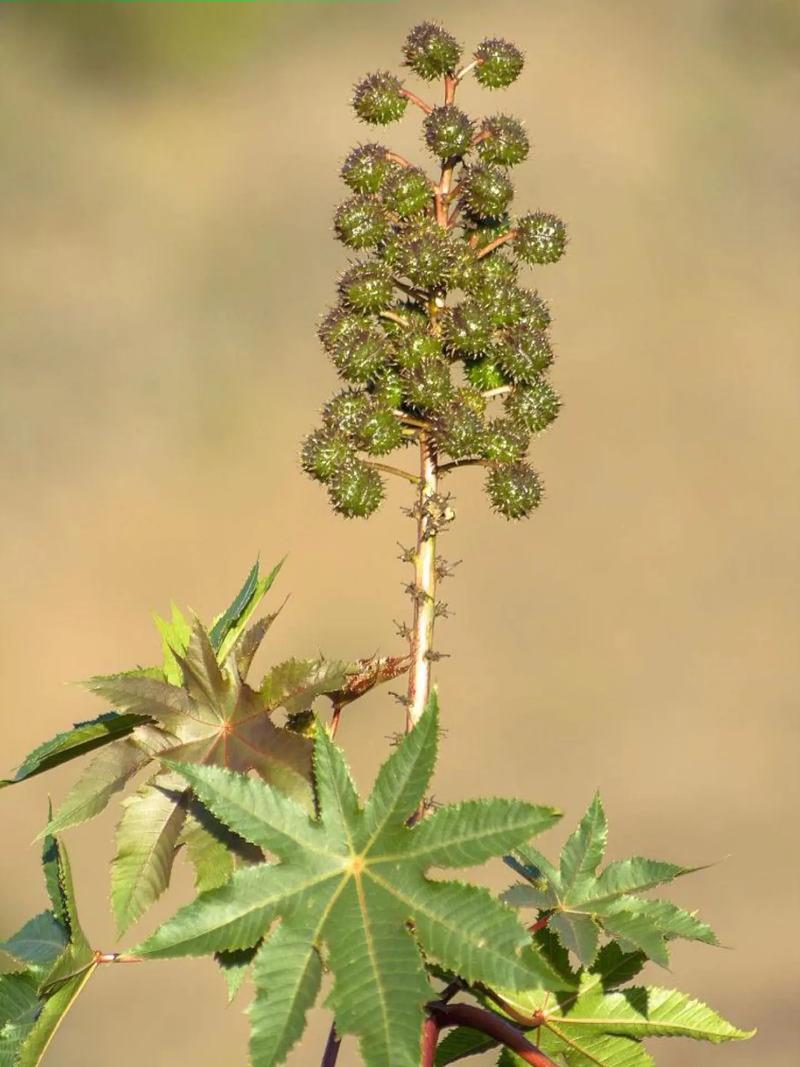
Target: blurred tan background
x=167, y=182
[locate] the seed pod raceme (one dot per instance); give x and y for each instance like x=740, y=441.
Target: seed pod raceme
x=499, y=63
x=366, y=168
x=506, y=441
x=460, y=430
x=428, y=386
x=423, y=253
x=523, y=354
x=379, y=99
x=540, y=238
x=380, y=432
x=481, y=277
x=356, y=491
x=467, y=329
x=448, y=131
x=513, y=488
x=418, y=346
x=430, y=51
x=347, y=411
x=485, y=374
x=356, y=343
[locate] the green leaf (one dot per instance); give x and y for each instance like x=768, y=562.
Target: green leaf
x=82, y=738
x=175, y=636
x=147, y=837
x=107, y=774
x=460, y=1043
x=51, y=1016
x=226, y=631
x=235, y=967
x=38, y=944
x=209, y=855
x=353, y=880
x=296, y=684
x=579, y=900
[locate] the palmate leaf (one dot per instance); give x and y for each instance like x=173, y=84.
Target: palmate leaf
x=597, y=1024
x=57, y=961
x=351, y=883
x=82, y=738
x=581, y=902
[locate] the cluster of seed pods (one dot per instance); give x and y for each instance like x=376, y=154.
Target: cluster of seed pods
x=432, y=333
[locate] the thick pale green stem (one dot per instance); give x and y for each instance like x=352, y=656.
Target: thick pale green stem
x=424, y=592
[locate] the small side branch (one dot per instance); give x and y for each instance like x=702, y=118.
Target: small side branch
x=421, y=104
x=387, y=468
x=394, y=317
x=496, y=243
x=494, y=1026
x=332, y=1045
x=453, y=464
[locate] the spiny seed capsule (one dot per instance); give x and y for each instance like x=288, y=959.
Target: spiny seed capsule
x=503, y=140
x=448, y=131
x=379, y=99
x=540, y=238
x=324, y=454
x=428, y=387
x=361, y=222
x=367, y=286
x=356, y=491
x=416, y=347
x=407, y=191
x=466, y=328
x=486, y=190
x=485, y=374
x=425, y=255
x=412, y=317
x=361, y=353
x=472, y=398
x=504, y=303
x=499, y=63
x=514, y=489
x=387, y=388
x=380, y=432
x=481, y=277
x=534, y=311
x=524, y=354
x=430, y=51
x=506, y=441
x=460, y=431
x=534, y=406
x=366, y=167
x=482, y=231
x=347, y=411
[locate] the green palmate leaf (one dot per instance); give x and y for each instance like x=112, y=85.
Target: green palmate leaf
x=107, y=774
x=230, y=626
x=581, y=902
x=146, y=840
x=175, y=636
x=461, y=1043
x=58, y=962
x=82, y=738
x=353, y=880
x=210, y=856
x=235, y=967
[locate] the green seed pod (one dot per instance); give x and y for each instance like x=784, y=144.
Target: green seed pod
x=380, y=432
x=482, y=231
x=534, y=406
x=486, y=190
x=481, y=277
x=428, y=387
x=407, y=191
x=366, y=168
x=535, y=313
x=431, y=52
x=504, y=303
x=485, y=374
x=361, y=222
x=387, y=388
x=524, y=354
x=506, y=441
x=356, y=343
x=367, y=286
x=540, y=238
x=460, y=431
x=347, y=412
x=467, y=329
x=424, y=254
x=499, y=63
x=414, y=318
x=417, y=346
x=324, y=454
x=503, y=141
x=448, y=131
x=356, y=491
x=379, y=99
x=514, y=489
x=471, y=397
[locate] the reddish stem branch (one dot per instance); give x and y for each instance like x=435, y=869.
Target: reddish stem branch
x=494, y=1026
x=430, y=1039
x=417, y=100
x=331, y=1053
x=539, y=924
x=496, y=243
